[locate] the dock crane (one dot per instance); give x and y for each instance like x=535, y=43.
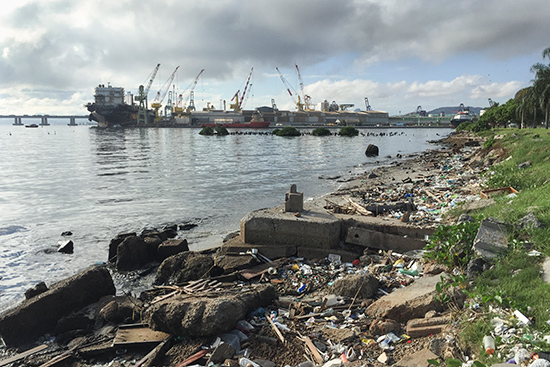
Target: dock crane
x=142, y=98
x=180, y=106
x=157, y=102
x=288, y=87
x=240, y=100
x=367, y=105
x=306, y=98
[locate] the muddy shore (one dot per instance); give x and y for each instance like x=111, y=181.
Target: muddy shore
x=345, y=333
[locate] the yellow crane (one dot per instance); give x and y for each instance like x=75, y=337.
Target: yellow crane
x=240, y=100
x=161, y=94
x=288, y=87
x=306, y=98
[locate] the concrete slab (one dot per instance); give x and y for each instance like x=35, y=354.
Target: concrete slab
x=407, y=303
x=491, y=240
x=418, y=359
x=273, y=226
x=546, y=270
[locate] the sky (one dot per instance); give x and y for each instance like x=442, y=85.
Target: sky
x=398, y=54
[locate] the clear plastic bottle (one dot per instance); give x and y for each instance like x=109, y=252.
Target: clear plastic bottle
x=489, y=344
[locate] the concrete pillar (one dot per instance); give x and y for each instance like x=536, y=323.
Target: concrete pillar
x=294, y=201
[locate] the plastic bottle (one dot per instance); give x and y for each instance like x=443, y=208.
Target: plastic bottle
x=245, y=362
x=489, y=344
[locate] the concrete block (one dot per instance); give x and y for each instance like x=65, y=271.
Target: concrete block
x=277, y=228
x=294, y=200
x=418, y=359
x=491, y=240
x=417, y=328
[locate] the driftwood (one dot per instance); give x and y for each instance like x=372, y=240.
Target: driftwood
x=23, y=355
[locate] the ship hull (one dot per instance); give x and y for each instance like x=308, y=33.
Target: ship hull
x=242, y=125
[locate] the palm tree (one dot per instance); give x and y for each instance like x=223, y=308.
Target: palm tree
x=541, y=84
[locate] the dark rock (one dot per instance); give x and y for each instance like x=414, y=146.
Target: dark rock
x=465, y=218
x=207, y=316
x=360, y=286
x=73, y=322
x=231, y=263
x=222, y=352
x=187, y=226
x=67, y=233
x=66, y=247
x=120, y=309
x=39, y=315
x=476, y=267
x=134, y=253
x=169, y=233
x=171, y=247
x=36, y=290
x=371, y=151
x=113, y=245
x=472, y=143
x=372, y=175
x=384, y=326
x=183, y=267
x=491, y=240
x=529, y=221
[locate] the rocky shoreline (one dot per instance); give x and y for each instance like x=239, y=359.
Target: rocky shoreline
x=275, y=302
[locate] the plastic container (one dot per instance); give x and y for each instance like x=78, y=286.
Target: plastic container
x=245, y=362
x=489, y=344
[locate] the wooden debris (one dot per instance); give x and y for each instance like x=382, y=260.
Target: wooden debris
x=432, y=195
x=314, y=352
x=193, y=358
x=260, y=269
x=358, y=207
x=138, y=334
x=275, y=329
x=23, y=355
x=150, y=357
x=486, y=194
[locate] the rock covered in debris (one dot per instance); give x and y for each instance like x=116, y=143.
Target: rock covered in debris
x=362, y=286
x=36, y=290
x=184, y=267
x=205, y=316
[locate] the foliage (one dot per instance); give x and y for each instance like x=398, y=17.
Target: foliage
x=445, y=285
x=207, y=131
x=348, y=131
x=221, y=130
x=488, y=143
x=321, y=131
x=452, y=245
x=286, y=131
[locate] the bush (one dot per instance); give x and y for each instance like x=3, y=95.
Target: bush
x=348, y=131
x=286, y=131
x=321, y=131
x=207, y=131
x=452, y=245
x=221, y=130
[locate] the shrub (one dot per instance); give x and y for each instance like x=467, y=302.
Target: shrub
x=321, y=131
x=348, y=131
x=221, y=130
x=207, y=131
x=452, y=245
x=286, y=131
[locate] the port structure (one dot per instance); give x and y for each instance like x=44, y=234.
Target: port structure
x=240, y=100
x=180, y=106
x=161, y=94
x=142, y=98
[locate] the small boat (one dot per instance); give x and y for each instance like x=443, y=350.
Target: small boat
x=31, y=125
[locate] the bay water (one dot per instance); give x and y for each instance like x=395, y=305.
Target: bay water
x=98, y=183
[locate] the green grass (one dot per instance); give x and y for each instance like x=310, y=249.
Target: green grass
x=514, y=281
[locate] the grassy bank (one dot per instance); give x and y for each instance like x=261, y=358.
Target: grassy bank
x=521, y=159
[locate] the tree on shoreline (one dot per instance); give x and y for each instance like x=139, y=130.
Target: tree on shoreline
x=541, y=85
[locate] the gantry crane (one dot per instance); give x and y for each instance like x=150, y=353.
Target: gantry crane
x=288, y=87
x=306, y=98
x=142, y=98
x=157, y=102
x=180, y=105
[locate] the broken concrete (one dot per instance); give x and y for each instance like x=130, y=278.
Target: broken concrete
x=205, y=316
x=417, y=328
x=491, y=240
x=275, y=227
x=39, y=315
x=356, y=286
x=418, y=359
x=407, y=303
x=183, y=267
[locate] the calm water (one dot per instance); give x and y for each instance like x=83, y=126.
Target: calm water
x=98, y=183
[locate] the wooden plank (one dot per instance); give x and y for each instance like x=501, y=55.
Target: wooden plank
x=23, y=355
x=314, y=352
x=260, y=269
x=150, y=357
x=138, y=335
x=275, y=329
x=193, y=358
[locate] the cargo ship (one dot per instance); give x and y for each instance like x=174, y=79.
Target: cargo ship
x=110, y=107
x=463, y=116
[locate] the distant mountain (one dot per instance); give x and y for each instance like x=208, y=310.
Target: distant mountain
x=451, y=111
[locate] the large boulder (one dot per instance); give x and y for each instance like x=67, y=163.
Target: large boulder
x=134, y=252
x=183, y=267
x=207, y=316
x=371, y=151
x=492, y=239
x=40, y=314
x=410, y=302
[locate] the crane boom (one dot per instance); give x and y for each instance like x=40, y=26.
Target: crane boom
x=153, y=74
x=142, y=98
x=191, y=92
x=305, y=97
x=163, y=90
x=288, y=87
x=244, y=95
